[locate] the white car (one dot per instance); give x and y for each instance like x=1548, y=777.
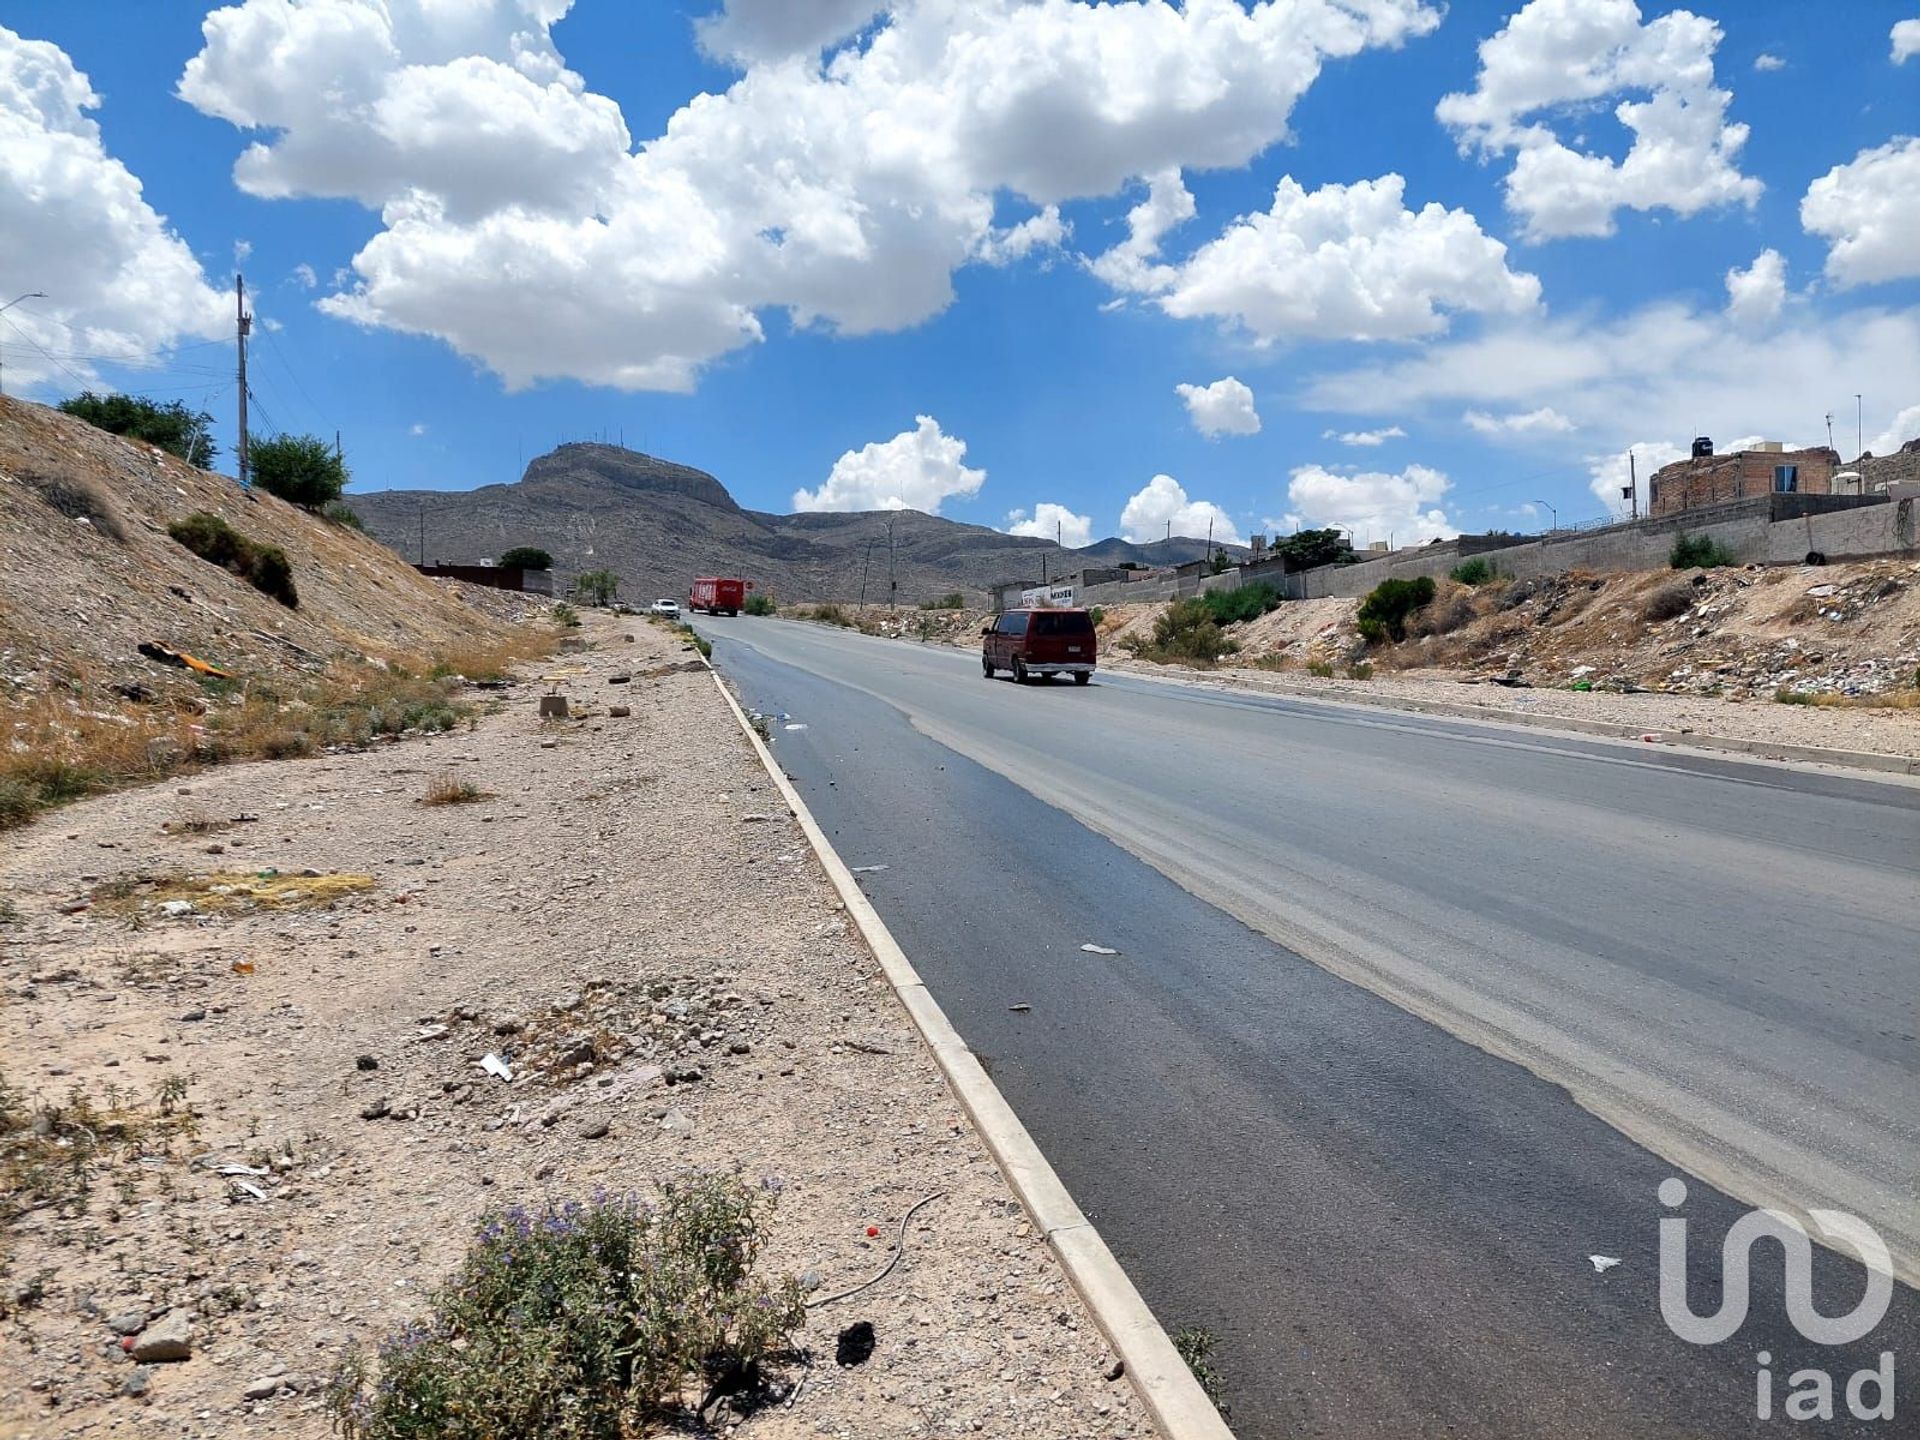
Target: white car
x=665, y=607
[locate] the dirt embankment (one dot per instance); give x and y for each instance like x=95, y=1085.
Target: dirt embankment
x=91, y=573
x=281, y=978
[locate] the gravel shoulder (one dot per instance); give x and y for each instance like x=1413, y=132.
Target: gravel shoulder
x=1672, y=717
x=629, y=915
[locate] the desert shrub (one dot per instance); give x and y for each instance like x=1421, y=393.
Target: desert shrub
x=77, y=499
x=1383, y=614
x=19, y=802
x=1097, y=615
x=1477, y=571
x=831, y=614
x=597, y=587
x=173, y=427
x=265, y=567
x=1360, y=670
x=952, y=600
x=525, y=557
x=451, y=789
x=1243, y=602
x=1673, y=599
x=582, y=1322
x=565, y=616
x=1186, y=632
x=1320, y=669
x=301, y=469
x=1450, y=611
x=1698, y=552
x=343, y=514
x=758, y=603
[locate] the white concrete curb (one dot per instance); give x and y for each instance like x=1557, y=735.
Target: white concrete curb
x=1159, y=1375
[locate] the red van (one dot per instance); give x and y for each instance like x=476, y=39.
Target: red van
x=718, y=596
x=1035, y=643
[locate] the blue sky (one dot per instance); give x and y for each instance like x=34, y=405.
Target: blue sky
x=764, y=294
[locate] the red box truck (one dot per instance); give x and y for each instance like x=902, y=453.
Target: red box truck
x=717, y=596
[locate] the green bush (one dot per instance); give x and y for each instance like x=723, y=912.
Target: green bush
x=301, y=469
x=1698, y=552
x=1473, y=572
x=525, y=557
x=952, y=600
x=265, y=567
x=1096, y=615
x=1311, y=548
x=831, y=613
x=341, y=513
x=582, y=1322
x=565, y=616
x=1243, y=602
x=759, y=603
x=1383, y=614
x=173, y=427
x=1186, y=632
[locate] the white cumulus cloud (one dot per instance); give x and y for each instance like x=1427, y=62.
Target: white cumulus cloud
x=1611, y=475
x=1755, y=295
x=1666, y=372
x=1544, y=421
x=1766, y=63
x=522, y=225
x=1906, y=40
x=1869, y=213
x=1223, y=408
x=1556, y=60
x=915, y=470
x=1365, y=438
x=1052, y=522
x=1163, y=502
x=1905, y=427
x=749, y=30
x=1374, y=505
x=1344, y=262
x=75, y=224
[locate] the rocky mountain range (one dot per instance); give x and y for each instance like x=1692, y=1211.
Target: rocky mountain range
x=657, y=524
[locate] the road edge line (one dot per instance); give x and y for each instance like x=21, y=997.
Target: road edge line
x=1175, y=1400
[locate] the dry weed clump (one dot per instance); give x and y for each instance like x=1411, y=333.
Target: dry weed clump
x=452, y=789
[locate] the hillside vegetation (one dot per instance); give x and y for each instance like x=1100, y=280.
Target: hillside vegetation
x=154, y=616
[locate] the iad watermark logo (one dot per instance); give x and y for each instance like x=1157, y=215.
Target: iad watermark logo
x=1811, y=1396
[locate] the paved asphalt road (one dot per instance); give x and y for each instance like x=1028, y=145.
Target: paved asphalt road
x=1411, y=1016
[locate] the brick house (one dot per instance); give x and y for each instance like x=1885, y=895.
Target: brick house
x=1768, y=468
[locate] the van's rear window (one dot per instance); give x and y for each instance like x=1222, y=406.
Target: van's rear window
x=1062, y=622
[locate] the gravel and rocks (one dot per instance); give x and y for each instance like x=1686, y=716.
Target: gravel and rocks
x=622, y=983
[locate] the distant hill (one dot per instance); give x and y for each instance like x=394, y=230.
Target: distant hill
x=658, y=524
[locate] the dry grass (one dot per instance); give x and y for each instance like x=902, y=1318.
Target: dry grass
x=227, y=892
x=1827, y=700
x=51, y=1151
x=451, y=789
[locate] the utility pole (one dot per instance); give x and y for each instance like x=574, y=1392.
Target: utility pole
x=339, y=455
x=423, y=535
x=864, y=570
x=243, y=324
x=1859, y=427
x=893, y=585
x=1633, y=488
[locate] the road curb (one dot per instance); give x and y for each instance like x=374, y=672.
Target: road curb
x=1493, y=714
x=1160, y=1377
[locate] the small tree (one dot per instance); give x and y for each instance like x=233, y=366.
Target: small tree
x=300, y=469
x=597, y=587
x=1311, y=548
x=173, y=427
x=1383, y=614
x=525, y=557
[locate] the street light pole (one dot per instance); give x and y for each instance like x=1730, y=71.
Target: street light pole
x=1553, y=512
x=30, y=295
